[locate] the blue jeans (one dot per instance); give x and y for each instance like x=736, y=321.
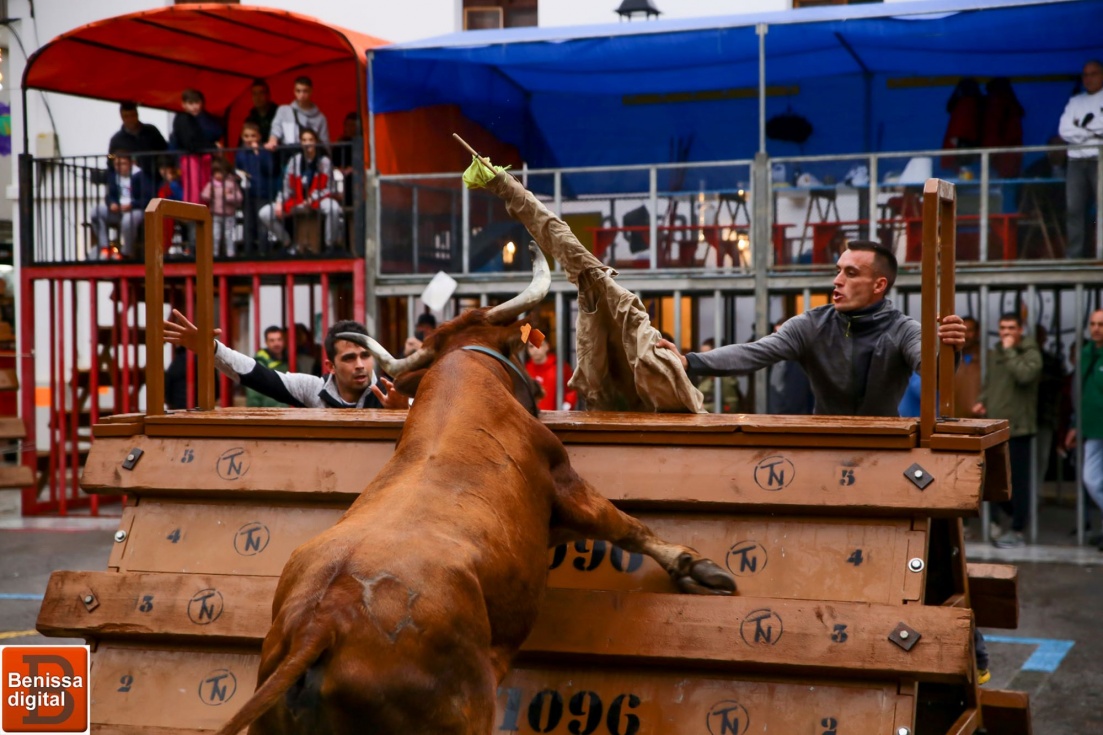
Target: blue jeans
x=1093, y=470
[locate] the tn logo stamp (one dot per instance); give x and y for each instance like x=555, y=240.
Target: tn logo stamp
x=45, y=689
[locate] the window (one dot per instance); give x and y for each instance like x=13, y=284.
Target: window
x=483, y=14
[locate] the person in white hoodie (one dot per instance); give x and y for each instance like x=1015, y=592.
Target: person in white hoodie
x=1082, y=123
x=301, y=113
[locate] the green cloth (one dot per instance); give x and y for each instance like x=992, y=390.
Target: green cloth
x=1091, y=382
x=1011, y=386
x=477, y=175
x=258, y=400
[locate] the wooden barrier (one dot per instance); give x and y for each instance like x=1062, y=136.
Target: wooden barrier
x=855, y=611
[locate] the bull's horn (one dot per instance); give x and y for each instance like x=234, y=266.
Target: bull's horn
x=392, y=366
x=530, y=297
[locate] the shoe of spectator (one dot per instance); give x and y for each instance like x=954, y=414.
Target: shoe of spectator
x=983, y=676
x=1010, y=540
x=994, y=531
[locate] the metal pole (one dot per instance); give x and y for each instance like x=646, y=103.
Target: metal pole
x=413, y=229
x=760, y=253
x=653, y=229
x=1035, y=487
x=465, y=241
x=560, y=349
x=678, y=319
x=1098, y=205
x=985, y=511
x=718, y=338
x=984, y=177
x=1078, y=405
x=874, y=215
x=760, y=30
x=373, y=208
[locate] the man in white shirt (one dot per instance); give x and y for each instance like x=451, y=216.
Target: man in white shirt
x=1082, y=123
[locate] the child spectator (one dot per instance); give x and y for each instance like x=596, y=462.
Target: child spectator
x=260, y=184
x=170, y=189
x=194, y=133
x=307, y=187
x=223, y=195
x=128, y=191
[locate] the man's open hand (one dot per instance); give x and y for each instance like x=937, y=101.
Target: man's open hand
x=180, y=331
x=951, y=331
x=666, y=344
x=392, y=398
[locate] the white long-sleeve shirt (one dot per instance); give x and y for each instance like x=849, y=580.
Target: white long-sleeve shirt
x=1073, y=129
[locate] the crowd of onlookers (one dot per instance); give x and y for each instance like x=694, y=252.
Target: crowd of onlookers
x=283, y=173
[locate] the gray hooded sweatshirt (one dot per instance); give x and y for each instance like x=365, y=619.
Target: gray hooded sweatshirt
x=290, y=119
x=858, y=362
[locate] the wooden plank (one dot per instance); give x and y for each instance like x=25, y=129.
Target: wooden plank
x=1006, y=713
x=972, y=427
x=9, y=379
x=16, y=476
x=866, y=482
x=156, y=692
x=785, y=557
x=733, y=633
x=961, y=443
x=755, y=634
x=994, y=594
x=11, y=427
x=858, y=426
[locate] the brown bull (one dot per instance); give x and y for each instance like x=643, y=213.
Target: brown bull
x=404, y=617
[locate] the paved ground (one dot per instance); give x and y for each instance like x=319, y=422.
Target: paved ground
x=1061, y=590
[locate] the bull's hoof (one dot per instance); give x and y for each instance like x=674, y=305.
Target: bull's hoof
x=706, y=578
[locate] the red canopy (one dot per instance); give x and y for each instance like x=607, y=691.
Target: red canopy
x=153, y=56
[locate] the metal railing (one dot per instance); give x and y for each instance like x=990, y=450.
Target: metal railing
x=699, y=217
x=75, y=209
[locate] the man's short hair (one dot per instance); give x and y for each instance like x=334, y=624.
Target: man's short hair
x=352, y=116
x=192, y=95
x=710, y=343
x=345, y=325
x=1012, y=316
x=427, y=320
x=884, y=260
x=305, y=81
x=258, y=82
x=273, y=328
x=128, y=106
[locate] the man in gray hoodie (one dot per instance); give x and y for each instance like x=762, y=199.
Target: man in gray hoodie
x=859, y=351
x=301, y=113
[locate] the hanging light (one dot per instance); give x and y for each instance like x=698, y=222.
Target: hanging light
x=629, y=8
x=508, y=252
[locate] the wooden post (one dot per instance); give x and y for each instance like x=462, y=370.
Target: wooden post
x=937, y=366
x=156, y=213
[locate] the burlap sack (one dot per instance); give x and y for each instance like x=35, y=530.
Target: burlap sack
x=619, y=367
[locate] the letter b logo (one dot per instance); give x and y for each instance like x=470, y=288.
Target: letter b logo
x=45, y=689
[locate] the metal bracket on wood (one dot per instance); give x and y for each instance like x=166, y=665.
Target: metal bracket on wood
x=88, y=598
x=918, y=476
x=132, y=458
x=904, y=636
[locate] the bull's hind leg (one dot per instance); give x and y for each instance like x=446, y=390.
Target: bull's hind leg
x=581, y=512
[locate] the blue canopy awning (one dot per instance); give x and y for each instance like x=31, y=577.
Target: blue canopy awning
x=864, y=75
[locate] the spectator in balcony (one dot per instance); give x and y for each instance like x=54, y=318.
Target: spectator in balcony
x=1082, y=123
x=223, y=195
x=128, y=193
x=261, y=182
x=1011, y=392
x=195, y=132
x=301, y=114
x=307, y=189
x=263, y=112
x=136, y=136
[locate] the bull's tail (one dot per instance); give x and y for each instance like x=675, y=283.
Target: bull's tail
x=303, y=655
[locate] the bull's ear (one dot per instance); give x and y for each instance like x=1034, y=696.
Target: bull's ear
x=408, y=382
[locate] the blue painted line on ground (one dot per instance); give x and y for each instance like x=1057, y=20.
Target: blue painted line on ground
x=20, y=596
x=1046, y=658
